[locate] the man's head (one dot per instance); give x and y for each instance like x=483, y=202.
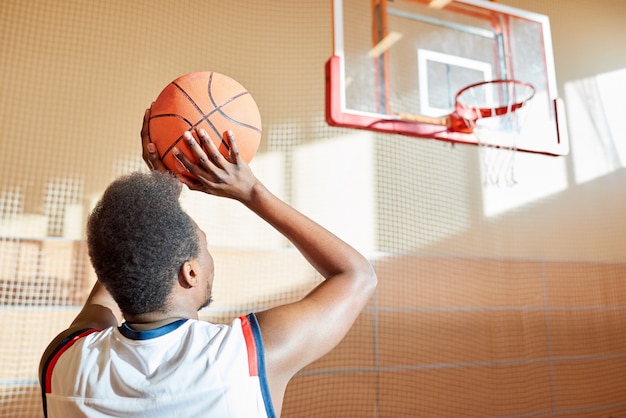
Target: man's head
x=139, y=238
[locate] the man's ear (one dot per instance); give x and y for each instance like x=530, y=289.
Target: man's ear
x=187, y=277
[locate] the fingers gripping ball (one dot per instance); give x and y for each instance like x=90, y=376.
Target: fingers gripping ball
x=204, y=100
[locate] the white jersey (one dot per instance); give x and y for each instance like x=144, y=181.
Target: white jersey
x=189, y=368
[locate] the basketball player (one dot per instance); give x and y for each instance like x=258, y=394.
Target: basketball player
x=137, y=348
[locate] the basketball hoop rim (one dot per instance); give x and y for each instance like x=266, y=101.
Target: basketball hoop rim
x=473, y=113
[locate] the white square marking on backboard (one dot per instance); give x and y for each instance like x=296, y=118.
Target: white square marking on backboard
x=425, y=56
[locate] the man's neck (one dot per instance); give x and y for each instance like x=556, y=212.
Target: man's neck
x=145, y=326
x=152, y=320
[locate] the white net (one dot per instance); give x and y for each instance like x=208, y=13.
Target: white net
x=473, y=316
x=496, y=112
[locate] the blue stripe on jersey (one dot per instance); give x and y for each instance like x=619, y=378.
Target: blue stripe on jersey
x=265, y=388
x=133, y=334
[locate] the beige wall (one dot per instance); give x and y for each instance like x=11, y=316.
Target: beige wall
x=76, y=78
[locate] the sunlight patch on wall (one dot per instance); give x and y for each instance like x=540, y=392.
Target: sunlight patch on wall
x=595, y=108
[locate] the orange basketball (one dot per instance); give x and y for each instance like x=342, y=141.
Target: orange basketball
x=207, y=100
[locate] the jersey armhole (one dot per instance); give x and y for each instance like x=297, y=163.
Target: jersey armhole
x=50, y=362
x=256, y=358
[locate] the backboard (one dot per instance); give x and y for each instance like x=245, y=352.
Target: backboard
x=397, y=66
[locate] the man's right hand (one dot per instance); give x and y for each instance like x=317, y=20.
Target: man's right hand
x=215, y=174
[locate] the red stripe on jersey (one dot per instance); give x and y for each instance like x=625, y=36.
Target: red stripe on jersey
x=250, y=345
x=59, y=352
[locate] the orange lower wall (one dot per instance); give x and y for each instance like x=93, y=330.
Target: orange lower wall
x=462, y=337
x=470, y=337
